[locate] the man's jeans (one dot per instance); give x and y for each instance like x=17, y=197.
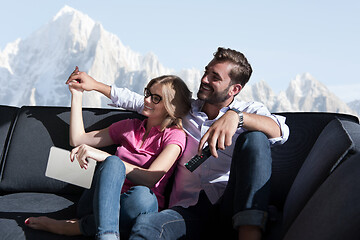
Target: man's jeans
x=99, y=207
x=244, y=201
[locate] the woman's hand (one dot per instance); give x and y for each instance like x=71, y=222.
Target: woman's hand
x=83, y=152
x=74, y=86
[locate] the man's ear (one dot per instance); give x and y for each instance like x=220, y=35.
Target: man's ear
x=235, y=89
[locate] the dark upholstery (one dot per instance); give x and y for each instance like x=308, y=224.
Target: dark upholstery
x=335, y=143
x=7, y=117
x=289, y=157
x=333, y=211
x=317, y=159
x=36, y=130
x=24, y=189
x=16, y=207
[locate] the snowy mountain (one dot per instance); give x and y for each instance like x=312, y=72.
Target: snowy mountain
x=355, y=105
x=304, y=93
x=33, y=71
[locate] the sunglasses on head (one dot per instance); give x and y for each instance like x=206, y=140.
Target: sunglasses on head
x=154, y=97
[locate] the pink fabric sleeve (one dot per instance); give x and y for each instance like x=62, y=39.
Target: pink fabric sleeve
x=175, y=136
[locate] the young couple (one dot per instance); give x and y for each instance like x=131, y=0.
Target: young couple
x=228, y=194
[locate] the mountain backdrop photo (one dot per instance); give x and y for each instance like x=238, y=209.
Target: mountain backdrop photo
x=33, y=70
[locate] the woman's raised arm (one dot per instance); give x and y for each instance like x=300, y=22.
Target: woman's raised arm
x=78, y=136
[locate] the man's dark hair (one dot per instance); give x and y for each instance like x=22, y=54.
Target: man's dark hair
x=241, y=71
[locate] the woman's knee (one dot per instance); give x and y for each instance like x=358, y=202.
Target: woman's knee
x=140, y=198
x=138, y=201
x=113, y=163
x=112, y=169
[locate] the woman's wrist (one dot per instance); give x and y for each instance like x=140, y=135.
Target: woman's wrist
x=77, y=94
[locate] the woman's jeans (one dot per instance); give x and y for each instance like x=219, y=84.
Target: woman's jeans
x=104, y=211
x=244, y=201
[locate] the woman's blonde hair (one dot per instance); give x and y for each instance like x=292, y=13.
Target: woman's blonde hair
x=177, y=99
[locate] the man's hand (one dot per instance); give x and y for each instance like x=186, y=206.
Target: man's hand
x=220, y=133
x=82, y=80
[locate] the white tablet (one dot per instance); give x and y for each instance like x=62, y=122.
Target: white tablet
x=60, y=167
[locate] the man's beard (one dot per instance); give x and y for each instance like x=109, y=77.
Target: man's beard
x=214, y=98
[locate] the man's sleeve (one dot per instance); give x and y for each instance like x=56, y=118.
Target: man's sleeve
x=124, y=98
x=259, y=108
x=285, y=132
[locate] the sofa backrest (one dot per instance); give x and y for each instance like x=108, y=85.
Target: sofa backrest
x=305, y=128
x=7, y=117
x=35, y=130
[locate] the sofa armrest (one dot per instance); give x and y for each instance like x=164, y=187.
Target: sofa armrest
x=333, y=211
x=305, y=128
x=337, y=142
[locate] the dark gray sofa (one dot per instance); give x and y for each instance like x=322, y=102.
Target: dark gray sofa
x=315, y=182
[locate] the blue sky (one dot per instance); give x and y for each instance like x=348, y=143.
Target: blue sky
x=280, y=38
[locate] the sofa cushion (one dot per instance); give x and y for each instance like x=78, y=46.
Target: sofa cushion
x=333, y=210
x=289, y=157
x=35, y=131
x=16, y=207
x=337, y=141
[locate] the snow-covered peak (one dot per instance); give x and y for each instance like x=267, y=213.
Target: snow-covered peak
x=308, y=94
x=66, y=10
x=69, y=22
x=305, y=85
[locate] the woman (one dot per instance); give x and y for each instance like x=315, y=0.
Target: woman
x=131, y=182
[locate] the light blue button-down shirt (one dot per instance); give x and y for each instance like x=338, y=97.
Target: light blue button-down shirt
x=211, y=176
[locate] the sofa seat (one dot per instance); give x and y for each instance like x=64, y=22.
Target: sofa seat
x=16, y=207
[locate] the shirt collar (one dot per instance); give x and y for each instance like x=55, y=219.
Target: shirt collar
x=143, y=126
x=197, y=105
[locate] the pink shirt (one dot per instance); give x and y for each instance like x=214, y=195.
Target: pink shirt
x=128, y=134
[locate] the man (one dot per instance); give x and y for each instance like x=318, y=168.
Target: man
x=229, y=192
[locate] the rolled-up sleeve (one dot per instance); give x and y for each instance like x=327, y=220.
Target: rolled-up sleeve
x=280, y=120
x=261, y=109
x=126, y=99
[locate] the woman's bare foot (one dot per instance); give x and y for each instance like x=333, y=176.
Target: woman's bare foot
x=62, y=227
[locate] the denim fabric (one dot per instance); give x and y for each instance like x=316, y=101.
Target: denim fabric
x=246, y=196
x=244, y=201
x=99, y=207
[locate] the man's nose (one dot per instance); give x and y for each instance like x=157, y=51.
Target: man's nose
x=205, y=79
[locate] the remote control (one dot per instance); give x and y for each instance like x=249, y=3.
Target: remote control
x=198, y=159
